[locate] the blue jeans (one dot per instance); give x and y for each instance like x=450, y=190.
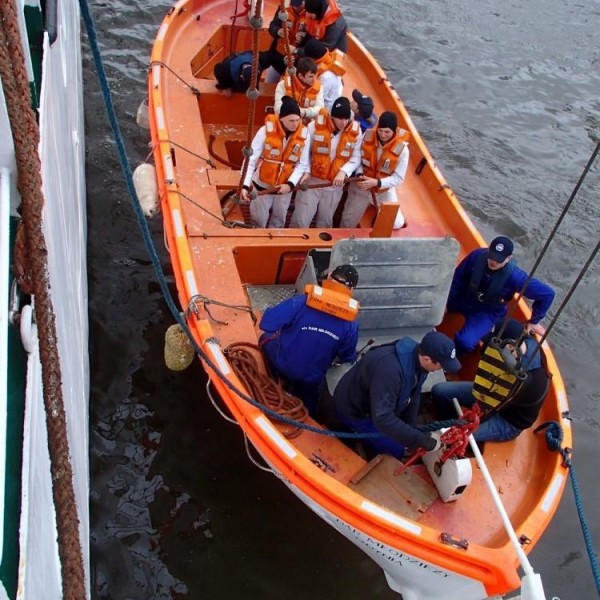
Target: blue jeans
x=493, y=429
x=379, y=445
x=477, y=324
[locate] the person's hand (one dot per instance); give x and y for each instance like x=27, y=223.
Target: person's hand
x=366, y=183
x=536, y=328
x=245, y=196
x=284, y=188
x=339, y=179
x=228, y=92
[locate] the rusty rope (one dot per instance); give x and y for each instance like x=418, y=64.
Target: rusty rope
x=289, y=60
x=264, y=389
x=26, y=138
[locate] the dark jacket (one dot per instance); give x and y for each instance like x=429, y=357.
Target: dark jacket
x=465, y=300
x=228, y=73
x=523, y=410
x=385, y=386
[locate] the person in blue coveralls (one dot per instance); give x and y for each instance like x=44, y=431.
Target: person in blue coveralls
x=483, y=284
x=381, y=393
x=300, y=342
x=520, y=412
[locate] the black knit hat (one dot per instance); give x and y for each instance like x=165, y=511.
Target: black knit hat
x=388, y=120
x=341, y=108
x=315, y=49
x=289, y=107
x=316, y=7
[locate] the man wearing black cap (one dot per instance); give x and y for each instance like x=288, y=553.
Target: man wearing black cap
x=384, y=163
x=381, y=392
x=300, y=341
x=334, y=156
x=329, y=69
x=484, y=283
x=522, y=410
x=279, y=159
x=362, y=106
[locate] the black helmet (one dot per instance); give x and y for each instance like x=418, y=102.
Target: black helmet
x=346, y=275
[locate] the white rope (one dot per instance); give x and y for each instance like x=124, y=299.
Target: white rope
x=531, y=584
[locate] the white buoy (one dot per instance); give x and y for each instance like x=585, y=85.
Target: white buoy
x=144, y=181
x=142, y=118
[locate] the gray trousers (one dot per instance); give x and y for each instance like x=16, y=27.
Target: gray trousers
x=357, y=202
x=277, y=204
x=321, y=201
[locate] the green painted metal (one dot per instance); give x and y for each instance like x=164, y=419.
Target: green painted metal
x=17, y=373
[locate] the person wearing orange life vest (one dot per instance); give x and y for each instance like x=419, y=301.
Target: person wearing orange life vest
x=326, y=23
x=334, y=155
x=279, y=158
x=303, y=87
x=329, y=70
x=303, y=335
x=296, y=24
x=384, y=163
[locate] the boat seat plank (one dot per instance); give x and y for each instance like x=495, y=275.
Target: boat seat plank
x=330, y=454
x=407, y=493
x=209, y=86
x=225, y=179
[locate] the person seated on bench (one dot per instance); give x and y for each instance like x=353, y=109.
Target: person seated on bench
x=303, y=335
x=381, y=392
x=384, y=163
x=483, y=285
x=279, y=159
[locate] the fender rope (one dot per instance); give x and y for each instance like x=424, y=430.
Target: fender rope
x=26, y=137
x=554, y=437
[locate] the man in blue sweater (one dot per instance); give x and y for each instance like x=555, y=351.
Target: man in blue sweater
x=381, y=392
x=301, y=342
x=484, y=283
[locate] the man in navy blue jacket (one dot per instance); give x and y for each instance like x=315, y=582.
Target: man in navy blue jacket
x=381, y=393
x=484, y=283
x=300, y=342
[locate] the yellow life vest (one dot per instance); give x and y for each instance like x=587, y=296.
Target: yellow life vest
x=305, y=96
x=276, y=162
x=331, y=61
x=332, y=298
x=321, y=165
x=386, y=164
x=498, y=377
